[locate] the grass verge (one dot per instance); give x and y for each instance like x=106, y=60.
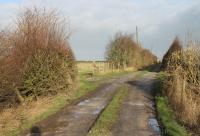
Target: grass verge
x=166, y=115
x=15, y=120
x=109, y=116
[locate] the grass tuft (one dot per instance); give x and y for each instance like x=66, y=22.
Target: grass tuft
x=109, y=115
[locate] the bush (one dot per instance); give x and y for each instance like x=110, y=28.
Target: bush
x=175, y=47
x=182, y=86
x=123, y=51
x=39, y=61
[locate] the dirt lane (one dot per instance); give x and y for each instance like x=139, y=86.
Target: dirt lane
x=137, y=114
x=77, y=119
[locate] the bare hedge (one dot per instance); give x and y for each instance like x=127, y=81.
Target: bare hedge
x=175, y=47
x=183, y=86
x=38, y=59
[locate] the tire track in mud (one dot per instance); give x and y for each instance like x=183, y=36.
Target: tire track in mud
x=137, y=116
x=78, y=118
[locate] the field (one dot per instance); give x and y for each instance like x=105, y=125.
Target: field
x=98, y=67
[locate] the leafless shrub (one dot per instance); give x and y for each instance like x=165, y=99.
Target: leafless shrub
x=183, y=85
x=40, y=61
x=175, y=47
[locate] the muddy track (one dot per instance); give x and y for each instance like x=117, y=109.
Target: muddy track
x=78, y=118
x=137, y=114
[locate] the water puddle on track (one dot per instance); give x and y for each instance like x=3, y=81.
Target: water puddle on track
x=153, y=123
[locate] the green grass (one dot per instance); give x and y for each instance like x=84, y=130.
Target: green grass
x=95, y=80
x=159, y=84
x=85, y=86
x=109, y=116
x=170, y=125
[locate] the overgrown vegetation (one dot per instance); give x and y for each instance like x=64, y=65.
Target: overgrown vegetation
x=175, y=47
x=104, y=124
x=166, y=115
x=122, y=51
x=37, y=59
x=182, y=86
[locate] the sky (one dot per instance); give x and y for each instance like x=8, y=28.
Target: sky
x=94, y=22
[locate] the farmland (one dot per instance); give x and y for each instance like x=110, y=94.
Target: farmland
x=98, y=67
x=122, y=68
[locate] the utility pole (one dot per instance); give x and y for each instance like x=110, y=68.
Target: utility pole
x=137, y=37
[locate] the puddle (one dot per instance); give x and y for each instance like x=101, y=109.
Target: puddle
x=79, y=112
x=136, y=104
x=85, y=102
x=153, y=123
x=91, y=102
x=87, y=110
x=91, y=106
x=96, y=99
x=97, y=111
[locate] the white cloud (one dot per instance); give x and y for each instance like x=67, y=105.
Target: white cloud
x=94, y=21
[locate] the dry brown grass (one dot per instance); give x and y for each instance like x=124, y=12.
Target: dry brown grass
x=13, y=118
x=183, y=86
x=96, y=67
x=175, y=47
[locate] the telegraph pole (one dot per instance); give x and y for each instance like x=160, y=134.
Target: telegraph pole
x=137, y=39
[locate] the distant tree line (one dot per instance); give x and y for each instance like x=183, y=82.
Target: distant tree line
x=122, y=51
